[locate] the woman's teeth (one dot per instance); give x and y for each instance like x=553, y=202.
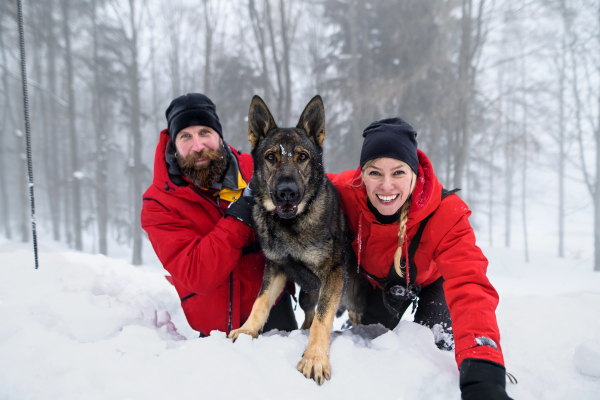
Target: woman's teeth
x=387, y=199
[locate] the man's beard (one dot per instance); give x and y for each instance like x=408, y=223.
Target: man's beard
x=203, y=176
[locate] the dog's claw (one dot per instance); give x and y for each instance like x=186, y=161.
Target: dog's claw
x=316, y=368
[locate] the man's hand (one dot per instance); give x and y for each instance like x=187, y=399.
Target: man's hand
x=482, y=380
x=241, y=209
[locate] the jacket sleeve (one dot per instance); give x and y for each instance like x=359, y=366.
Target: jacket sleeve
x=199, y=263
x=471, y=298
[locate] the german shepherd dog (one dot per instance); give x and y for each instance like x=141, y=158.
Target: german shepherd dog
x=302, y=230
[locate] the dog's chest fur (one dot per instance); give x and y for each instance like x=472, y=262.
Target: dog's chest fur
x=304, y=247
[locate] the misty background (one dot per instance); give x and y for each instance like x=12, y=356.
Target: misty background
x=505, y=96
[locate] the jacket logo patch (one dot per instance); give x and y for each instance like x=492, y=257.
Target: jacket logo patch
x=485, y=341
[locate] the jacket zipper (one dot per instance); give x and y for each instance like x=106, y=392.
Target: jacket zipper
x=210, y=201
x=230, y=275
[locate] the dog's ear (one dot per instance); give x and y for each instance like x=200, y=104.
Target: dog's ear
x=260, y=121
x=312, y=120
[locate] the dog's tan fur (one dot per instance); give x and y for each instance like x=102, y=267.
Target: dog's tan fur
x=309, y=244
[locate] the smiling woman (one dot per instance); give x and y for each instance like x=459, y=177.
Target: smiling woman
x=414, y=243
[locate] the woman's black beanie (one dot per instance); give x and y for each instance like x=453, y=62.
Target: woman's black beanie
x=393, y=138
x=189, y=110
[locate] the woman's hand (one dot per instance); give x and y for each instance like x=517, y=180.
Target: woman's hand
x=482, y=380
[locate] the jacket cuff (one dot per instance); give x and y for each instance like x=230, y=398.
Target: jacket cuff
x=474, y=370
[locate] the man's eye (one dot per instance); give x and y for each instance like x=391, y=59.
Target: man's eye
x=270, y=157
x=303, y=157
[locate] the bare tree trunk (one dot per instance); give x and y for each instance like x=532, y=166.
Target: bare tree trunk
x=134, y=77
x=353, y=146
x=100, y=141
x=287, y=108
x=74, y=176
x=51, y=150
x=472, y=38
x=525, y=136
x=597, y=196
x=491, y=195
x=261, y=39
x=277, y=62
x=210, y=23
x=4, y=198
x=561, y=152
x=462, y=132
x=509, y=160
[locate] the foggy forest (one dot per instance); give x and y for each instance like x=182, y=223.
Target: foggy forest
x=504, y=95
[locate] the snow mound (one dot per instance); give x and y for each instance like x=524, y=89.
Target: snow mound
x=587, y=358
x=91, y=327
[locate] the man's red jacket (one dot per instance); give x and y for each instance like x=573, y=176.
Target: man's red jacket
x=201, y=249
x=447, y=249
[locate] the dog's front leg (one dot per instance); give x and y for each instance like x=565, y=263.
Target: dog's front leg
x=315, y=361
x=273, y=284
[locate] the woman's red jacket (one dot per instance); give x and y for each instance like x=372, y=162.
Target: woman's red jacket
x=201, y=249
x=447, y=249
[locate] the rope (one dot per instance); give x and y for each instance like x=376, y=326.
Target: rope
x=27, y=132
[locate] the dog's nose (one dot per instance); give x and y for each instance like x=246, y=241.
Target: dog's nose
x=287, y=192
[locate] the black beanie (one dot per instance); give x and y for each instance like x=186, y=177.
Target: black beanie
x=392, y=138
x=189, y=110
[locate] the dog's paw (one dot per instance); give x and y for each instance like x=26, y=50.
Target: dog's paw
x=315, y=366
x=237, y=332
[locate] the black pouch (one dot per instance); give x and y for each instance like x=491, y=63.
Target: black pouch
x=398, y=294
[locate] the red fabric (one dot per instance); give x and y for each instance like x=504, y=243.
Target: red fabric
x=201, y=249
x=447, y=249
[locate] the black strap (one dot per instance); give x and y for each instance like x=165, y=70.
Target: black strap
x=412, y=250
x=187, y=297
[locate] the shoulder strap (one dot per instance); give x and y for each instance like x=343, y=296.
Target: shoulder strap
x=416, y=240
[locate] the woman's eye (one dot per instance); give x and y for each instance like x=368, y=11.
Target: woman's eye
x=374, y=173
x=399, y=173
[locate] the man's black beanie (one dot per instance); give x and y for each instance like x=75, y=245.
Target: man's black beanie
x=189, y=110
x=392, y=138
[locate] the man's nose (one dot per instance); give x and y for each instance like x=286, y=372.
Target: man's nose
x=197, y=144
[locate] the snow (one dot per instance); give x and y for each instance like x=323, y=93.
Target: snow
x=91, y=327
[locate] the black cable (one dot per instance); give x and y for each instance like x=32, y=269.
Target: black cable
x=27, y=134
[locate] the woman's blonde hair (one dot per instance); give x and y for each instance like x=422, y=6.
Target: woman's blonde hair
x=404, y=209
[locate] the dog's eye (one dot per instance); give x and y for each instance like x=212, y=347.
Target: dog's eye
x=303, y=157
x=270, y=157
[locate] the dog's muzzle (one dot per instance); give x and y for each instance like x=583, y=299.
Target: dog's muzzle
x=287, y=197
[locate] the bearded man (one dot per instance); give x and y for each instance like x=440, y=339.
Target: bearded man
x=209, y=249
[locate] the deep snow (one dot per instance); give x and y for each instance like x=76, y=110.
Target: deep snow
x=92, y=327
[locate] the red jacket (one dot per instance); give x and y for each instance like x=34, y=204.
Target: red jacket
x=202, y=250
x=447, y=249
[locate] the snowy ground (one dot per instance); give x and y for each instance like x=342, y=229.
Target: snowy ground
x=91, y=327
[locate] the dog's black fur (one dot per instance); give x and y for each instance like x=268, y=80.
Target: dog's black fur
x=302, y=229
